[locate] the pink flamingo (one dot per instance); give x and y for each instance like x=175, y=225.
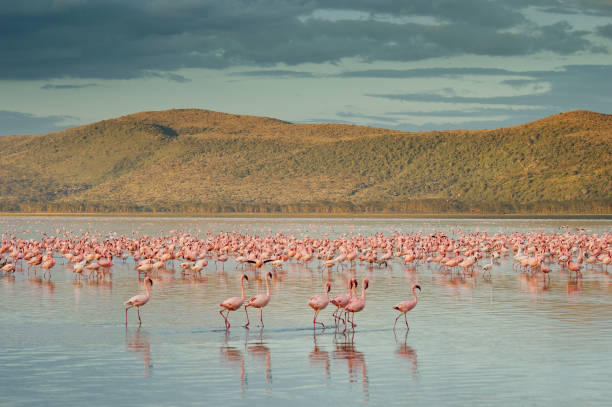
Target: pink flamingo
x=233, y=303
x=259, y=301
x=341, y=301
x=47, y=265
x=573, y=266
x=319, y=302
x=357, y=304
x=140, y=299
x=406, y=306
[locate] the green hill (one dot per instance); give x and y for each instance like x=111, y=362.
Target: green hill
x=198, y=161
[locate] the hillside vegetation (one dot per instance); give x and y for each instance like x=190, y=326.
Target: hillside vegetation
x=198, y=161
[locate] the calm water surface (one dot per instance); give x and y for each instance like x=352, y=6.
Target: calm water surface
x=506, y=340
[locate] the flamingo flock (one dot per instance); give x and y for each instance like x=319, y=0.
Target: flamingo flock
x=92, y=256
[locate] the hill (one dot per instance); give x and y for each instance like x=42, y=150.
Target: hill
x=198, y=161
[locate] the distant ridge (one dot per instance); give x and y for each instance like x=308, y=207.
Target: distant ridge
x=193, y=161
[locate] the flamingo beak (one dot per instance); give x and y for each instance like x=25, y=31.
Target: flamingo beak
x=418, y=286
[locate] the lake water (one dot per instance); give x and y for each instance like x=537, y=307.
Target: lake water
x=507, y=340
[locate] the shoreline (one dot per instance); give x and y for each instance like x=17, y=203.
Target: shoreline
x=251, y=215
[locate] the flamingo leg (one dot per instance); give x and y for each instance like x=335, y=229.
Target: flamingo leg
x=339, y=316
x=227, y=319
x=398, y=317
x=247, y=315
x=406, y=321
x=261, y=316
x=139, y=320
x=314, y=321
x=224, y=318
x=126, y=310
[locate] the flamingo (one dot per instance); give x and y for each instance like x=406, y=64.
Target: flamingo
x=358, y=303
x=341, y=301
x=573, y=266
x=406, y=306
x=140, y=299
x=259, y=301
x=233, y=303
x=47, y=265
x=319, y=302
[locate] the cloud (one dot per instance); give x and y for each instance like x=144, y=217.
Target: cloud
x=26, y=123
x=167, y=75
x=575, y=87
x=275, y=73
x=605, y=31
x=68, y=86
x=424, y=73
x=44, y=39
x=353, y=115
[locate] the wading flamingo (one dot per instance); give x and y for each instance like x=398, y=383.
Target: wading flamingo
x=319, y=302
x=259, y=301
x=356, y=304
x=140, y=299
x=341, y=301
x=406, y=306
x=233, y=303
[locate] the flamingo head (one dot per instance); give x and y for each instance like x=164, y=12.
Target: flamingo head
x=269, y=275
x=245, y=277
x=366, y=283
x=148, y=281
x=416, y=286
x=354, y=282
x=327, y=287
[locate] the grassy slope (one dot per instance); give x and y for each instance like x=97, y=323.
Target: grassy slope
x=188, y=157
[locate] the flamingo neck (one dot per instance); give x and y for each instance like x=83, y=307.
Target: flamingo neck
x=416, y=299
x=363, y=295
x=242, y=288
x=267, y=287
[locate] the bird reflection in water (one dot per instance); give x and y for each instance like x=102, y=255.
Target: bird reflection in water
x=574, y=286
x=47, y=287
x=319, y=357
x=356, y=364
x=259, y=351
x=534, y=284
x=8, y=279
x=139, y=343
x=408, y=353
x=234, y=357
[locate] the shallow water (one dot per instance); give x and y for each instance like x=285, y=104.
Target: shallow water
x=507, y=340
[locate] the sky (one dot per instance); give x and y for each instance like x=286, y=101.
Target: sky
x=411, y=65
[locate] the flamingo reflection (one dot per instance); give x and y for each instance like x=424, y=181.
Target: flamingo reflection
x=259, y=351
x=319, y=357
x=408, y=353
x=574, y=286
x=139, y=343
x=233, y=357
x=356, y=364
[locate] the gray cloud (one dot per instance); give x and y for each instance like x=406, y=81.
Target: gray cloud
x=275, y=73
x=575, y=87
x=519, y=83
x=423, y=73
x=605, y=31
x=44, y=39
x=49, y=86
x=352, y=115
x=24, y=123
